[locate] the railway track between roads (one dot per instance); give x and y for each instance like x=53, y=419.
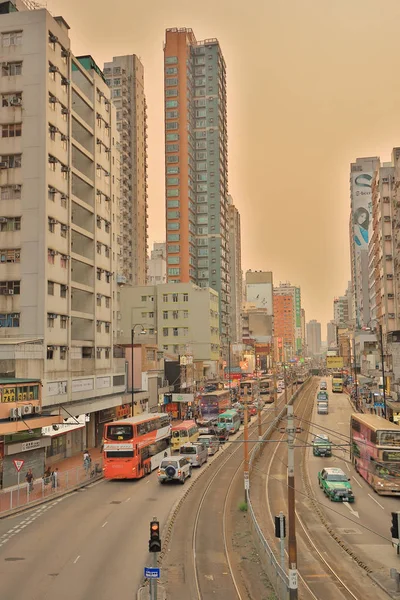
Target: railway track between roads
x=325, y=570
x=200, y=533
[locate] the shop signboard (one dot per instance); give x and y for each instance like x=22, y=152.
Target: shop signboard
x=103, y=382
x=334, y=362
x=106, y=415
x=82, y=385
x=56, y=388
x=182, y=398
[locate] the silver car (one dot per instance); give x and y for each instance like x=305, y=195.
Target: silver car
x=196, y=453
x=211, y=442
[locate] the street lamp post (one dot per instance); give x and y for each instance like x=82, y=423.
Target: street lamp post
x=383, y=369
x=143, y=332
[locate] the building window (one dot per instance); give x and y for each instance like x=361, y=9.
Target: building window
x=107, y=325
x=175, y=331
x=10, y=192
x=11, y=130
x=63, y=322
x=63, y=291
x=11, y=99
x=99, y=274
x=98, y=301
x=50, y=321
x=51, y=225
x=50, y=352
x=174, y=297
x=50, y=256
x=172, y=226
x=12, y=38
x=63, y=230
x=165, y=314
x=107, y=302
x=63, y=352
x=171, y=60
x=165, y=331
x=11, y=161
x=11, y=69
x=165, y=297
x=98, y=327
x=175, y=314
x=186, y=297
x=107, y=353
x=10, y=256
x=9, y=319
x=50, y=288
x=173, y=237
x=63, y=261
x=10, y=224
x=185, y=314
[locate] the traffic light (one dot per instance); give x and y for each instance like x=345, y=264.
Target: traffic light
x=278, y=526
x=155, y=540
x=394, y=530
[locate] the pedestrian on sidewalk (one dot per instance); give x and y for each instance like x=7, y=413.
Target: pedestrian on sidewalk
x=86, y=461
x=54, y=479
x=29, y=479
x=47, y=476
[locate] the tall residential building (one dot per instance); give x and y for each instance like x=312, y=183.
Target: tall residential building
x=381, y=250
x=125, y=76
x=342, y=306
x=361, y=175
x=196, y=166
x=303, y=331
x=157, y=264
x=314, y=337
x=235, y=272
x=284, y=331
x=59, y=224
x=285, y=289
x=331, y=334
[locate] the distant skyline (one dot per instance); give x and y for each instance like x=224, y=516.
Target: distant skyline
x=302, y=106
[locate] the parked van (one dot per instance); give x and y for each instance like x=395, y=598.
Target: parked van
x=322, y=408
x=196, y=453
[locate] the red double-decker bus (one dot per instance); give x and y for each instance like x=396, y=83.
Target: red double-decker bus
x=134, y=447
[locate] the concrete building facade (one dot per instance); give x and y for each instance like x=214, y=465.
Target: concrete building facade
x=178, y=318
x=196, y=166
x=314, y=337
x=285, y=289
x=60, y=218
x=381, y=251
x=283, y=326
x=235, y=273
x=157, y=264
x=331, y=334
x=361, y=175
x=125, y=77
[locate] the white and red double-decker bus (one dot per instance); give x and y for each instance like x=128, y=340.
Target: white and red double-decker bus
x=134, y=447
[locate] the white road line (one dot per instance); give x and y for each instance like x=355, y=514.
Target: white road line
x=127, y=500
x=357, y=482
x=148, y=481
x=375, y=500
x=348, y=468
x=76, y=560
x=353, y=512
x=104, y=524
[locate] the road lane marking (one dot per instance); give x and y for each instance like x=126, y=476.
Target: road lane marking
x=76, y=560
x=348, y=468
x=375, y=500
x=353, y=512
x=357, y=482
x=127, y=500
x=104, y=524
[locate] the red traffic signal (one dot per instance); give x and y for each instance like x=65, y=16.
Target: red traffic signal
x=155, y=540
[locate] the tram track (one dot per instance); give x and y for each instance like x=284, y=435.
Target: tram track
x=319, y=575
x=210, y=563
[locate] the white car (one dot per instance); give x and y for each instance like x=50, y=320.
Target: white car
x=176, y=468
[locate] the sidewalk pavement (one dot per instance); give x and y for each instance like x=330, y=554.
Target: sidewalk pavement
x=71, y=473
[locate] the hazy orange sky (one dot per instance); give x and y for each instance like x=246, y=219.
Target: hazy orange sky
x=312, y=85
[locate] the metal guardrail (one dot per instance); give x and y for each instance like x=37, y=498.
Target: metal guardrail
x=277, y=576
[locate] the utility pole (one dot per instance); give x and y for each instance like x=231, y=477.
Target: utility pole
x=259, y=416
x=293, y=579
x=246, y=446
x=229, y=368
x=285, y=382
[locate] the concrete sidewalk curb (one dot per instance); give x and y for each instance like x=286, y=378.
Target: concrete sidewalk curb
x=26, y=507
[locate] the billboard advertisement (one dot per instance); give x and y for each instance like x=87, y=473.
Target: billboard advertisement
x=361, y=200
x=334, y=362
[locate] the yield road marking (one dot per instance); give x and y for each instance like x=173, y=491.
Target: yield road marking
x=76, y=560
x=351, y=509
x=357, y=482
x=372, y=498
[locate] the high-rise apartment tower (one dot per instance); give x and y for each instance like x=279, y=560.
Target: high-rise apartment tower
x=196, y=166
x=125, y=76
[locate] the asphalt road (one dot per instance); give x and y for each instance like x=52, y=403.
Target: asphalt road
x=366, y=523
x=91, y=544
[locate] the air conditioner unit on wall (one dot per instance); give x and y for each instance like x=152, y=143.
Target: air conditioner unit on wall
x=27, y=409
x=15, y=413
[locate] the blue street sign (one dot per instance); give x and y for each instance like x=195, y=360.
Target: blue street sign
x=151, y=573
x=379, y=405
